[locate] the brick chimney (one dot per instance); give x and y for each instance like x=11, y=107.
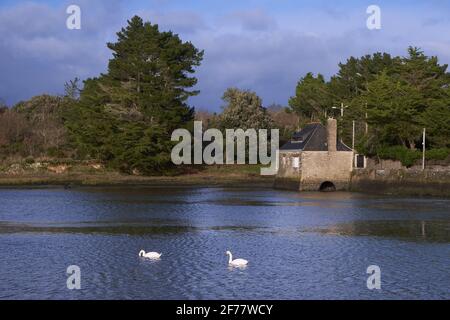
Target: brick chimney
x=331, y=134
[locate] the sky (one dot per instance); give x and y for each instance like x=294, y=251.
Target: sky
x=260, y=45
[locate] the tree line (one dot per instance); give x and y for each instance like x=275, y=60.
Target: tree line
x=391, y=99
x=125, y=117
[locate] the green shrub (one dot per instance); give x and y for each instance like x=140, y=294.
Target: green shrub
x=55, y=152
x=406, y=156
x=437, y=154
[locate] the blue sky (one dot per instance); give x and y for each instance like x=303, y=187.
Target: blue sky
x=261, y=45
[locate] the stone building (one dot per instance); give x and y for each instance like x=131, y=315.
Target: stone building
x=314, y=159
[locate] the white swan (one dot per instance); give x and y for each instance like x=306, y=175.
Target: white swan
x=150, y=255
x=236, y=262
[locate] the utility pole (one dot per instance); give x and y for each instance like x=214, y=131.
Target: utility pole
x=423, y=150
x=353, y=136
x=342, y=109
x=367, y=125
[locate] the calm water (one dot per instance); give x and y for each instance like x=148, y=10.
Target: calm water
x=300, y=245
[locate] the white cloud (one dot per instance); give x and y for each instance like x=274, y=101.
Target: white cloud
x=250, y=20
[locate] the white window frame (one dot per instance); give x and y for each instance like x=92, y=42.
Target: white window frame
x=296, y=162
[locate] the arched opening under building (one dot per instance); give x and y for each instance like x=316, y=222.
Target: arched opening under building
x=327, y=186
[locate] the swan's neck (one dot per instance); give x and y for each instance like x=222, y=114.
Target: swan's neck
x=141, y=253
x=230, y=257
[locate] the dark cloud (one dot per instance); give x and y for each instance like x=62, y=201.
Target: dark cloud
x=269, y=64
x=38, y=52
x=247, y=48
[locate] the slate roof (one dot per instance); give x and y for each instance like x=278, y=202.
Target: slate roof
x=313, y=137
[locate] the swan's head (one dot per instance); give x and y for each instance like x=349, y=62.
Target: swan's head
x=141, y=253
x=228, y=253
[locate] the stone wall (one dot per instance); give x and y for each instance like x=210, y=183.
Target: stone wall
x=384, y=164
x=321, y=166
x=402, y=182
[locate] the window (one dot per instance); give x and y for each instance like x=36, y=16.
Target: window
x=296, y=162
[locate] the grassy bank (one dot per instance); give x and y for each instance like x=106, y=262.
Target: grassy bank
x=227, y=175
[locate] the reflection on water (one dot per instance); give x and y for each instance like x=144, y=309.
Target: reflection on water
x=438, y=231
x=111, y=228
x=306, y=245
x=406, y=230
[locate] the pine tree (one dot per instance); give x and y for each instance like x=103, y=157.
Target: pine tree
x=393, y=109
x=127, y=115
x=312, y=98
x=431, y=81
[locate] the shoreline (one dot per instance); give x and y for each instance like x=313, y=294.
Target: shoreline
x=370, y=186
x=109, y=180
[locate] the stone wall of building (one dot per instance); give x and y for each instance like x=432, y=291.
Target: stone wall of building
x=286, y=164
x=321, y=166
x=288, y=177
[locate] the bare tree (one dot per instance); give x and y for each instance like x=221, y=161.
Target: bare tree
x=40, y=128
x=13, y=127
x=285, y=120
x=208, y=118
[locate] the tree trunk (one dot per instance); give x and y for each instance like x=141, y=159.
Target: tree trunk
x=139, y=82
x=403, y=142
x=412, y=144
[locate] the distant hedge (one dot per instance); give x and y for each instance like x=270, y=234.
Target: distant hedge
x=408, y=157
x=437, y=154
x=405, y=155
